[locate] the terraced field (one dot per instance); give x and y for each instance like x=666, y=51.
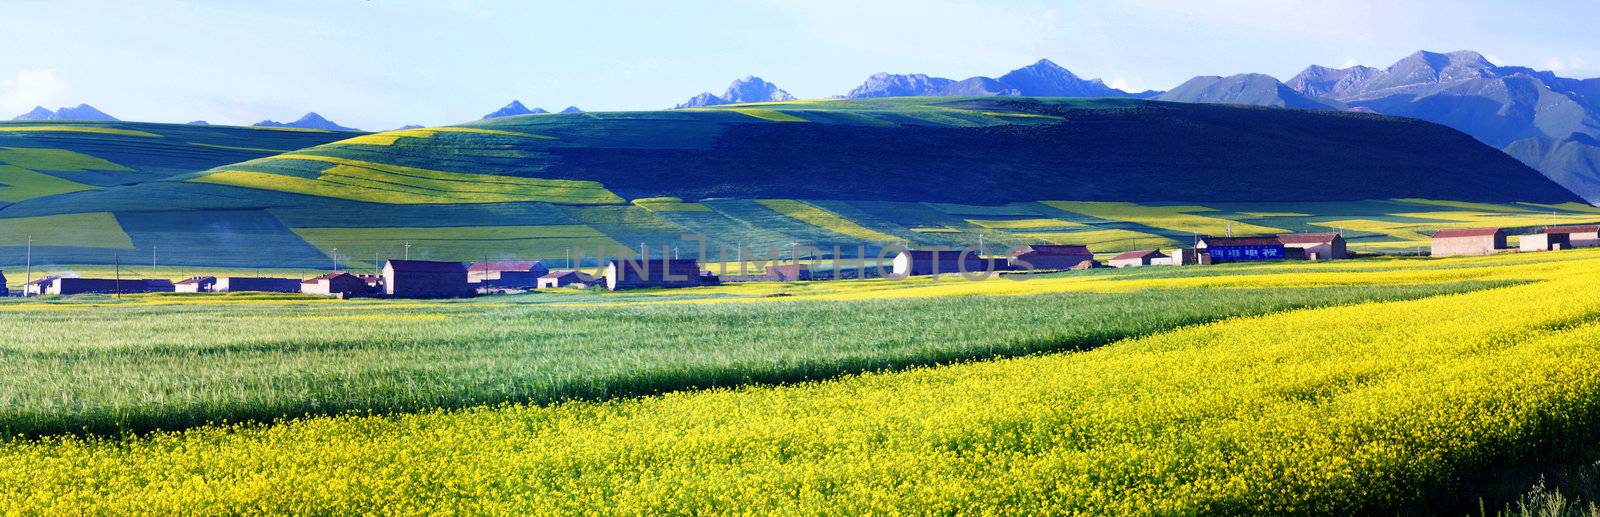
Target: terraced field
x=1384, y=385
x=857, y=175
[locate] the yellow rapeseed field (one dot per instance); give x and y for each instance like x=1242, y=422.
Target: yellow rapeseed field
x=826, y=219
x=1352, y=409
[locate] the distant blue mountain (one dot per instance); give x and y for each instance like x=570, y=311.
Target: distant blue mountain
x=1251, y=89
x=1550, y=123
x=310, y=121
x=1041, y=79
x=572, y=109
x=81, y=112
x=748, y=89
x=38, y=113
x=513, y=109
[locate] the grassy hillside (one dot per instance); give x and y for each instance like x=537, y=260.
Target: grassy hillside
x=919, y=171
x=76, y=170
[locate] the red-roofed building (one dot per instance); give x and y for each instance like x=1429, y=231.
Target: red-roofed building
x=1468, y=242
x=1136, y=258
x=336, y=284
x=1316, y=246
x=1544, y=241
x=1578, y=236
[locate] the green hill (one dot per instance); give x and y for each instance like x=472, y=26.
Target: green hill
x=1115, y=173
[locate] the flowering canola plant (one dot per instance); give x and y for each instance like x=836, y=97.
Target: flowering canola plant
x=1350, y=409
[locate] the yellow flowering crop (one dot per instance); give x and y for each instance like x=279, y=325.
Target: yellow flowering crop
x=1338, y=410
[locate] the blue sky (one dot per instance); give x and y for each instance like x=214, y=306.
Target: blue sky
x=379, y=64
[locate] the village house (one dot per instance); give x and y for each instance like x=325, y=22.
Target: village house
x=1316, y=246
x=343, y=285
x=940, y=262
x=788, y=272
x=1180, y=257
x=509, y=274
x=37, y=287
x=572, y=279
x=374, y=282
x=195, y=284
x=1468, y=241
x=1048, y=256
x=642, y=273
x=1544, y=241
x=1578, y=236
x=1136, y=258
x=256, y=284
x=1219, y=250
x=59, y=286
x=425, y=279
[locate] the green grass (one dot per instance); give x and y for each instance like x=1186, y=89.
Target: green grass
x=359, y=180
x=58, y=160
x=461, y=243
x=18, y=184
x=174, y=361
x=86, y=230
x=857, y=172
x=74, y=128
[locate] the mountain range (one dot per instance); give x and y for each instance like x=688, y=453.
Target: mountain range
x=310, y=121
x=1548, y=122
x=517, y=108
x=748, y=89
x=81, y=112
x=1041, y=79
x=1252, y=89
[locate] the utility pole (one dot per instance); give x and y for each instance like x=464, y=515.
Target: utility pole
x=30, y=267
x=336, y=260
x=1230, y=228
x=408, y=250
x=377, y=264
x=118, y=259
x=981, y=250
x=152, y=261
x=568, y=260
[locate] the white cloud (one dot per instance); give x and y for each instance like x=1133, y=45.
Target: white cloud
x=1349, y=63
x=1121, y=84
x=32, y=88
x=1557, y=64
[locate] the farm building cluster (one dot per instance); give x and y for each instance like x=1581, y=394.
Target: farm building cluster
x=398, y=279
x=1207, y=250
x=1488, y=241
x=435, y=279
